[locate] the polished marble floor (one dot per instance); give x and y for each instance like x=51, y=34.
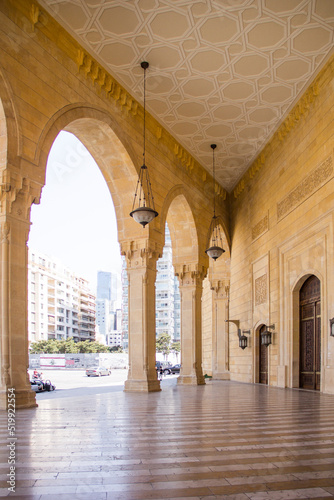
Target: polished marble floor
x=224, y=440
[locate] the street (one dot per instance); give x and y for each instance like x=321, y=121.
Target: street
x=76, y=383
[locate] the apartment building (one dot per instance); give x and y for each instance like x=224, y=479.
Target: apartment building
x=60, y=304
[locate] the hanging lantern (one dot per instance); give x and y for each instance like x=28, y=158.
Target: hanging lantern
x=143, y=199
x=243, y=341
x=216, y=249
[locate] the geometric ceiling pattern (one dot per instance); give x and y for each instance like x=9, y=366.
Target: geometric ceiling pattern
x=220, y=71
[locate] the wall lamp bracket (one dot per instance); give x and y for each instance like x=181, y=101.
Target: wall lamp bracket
x=242, y=337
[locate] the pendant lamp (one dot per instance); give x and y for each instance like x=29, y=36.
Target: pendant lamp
x=216, y=249
x=143, y=199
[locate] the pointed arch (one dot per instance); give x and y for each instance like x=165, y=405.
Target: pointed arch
x=294, y=358
x=178, y=211
x=104, y=139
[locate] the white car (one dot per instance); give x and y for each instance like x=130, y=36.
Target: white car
x=97, y=371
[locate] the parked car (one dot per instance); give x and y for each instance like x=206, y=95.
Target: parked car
x=97, y=371
x=36, y=386
x=172, y=369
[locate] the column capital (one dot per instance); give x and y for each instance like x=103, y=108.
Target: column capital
x=141, y=253
x=220, y=288
x=17, y=194
x=190, y=274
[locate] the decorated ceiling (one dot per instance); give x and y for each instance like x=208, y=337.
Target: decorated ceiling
x=220, y=71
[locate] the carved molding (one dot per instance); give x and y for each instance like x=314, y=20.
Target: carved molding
x=220, y=288
x=17, y=194
x=35, y=13
x=260, y=228
x=261, y=291
x=315, y=180
x=190, y=274
x=141, y=253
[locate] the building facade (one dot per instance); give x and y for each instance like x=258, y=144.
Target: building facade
x=106, y=297
x=167, y=295
x=60, y=305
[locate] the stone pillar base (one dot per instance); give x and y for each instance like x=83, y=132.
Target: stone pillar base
x=190, y=380
x=221, y=375
x=23, y=399
x=142, y=386
x=281, y=376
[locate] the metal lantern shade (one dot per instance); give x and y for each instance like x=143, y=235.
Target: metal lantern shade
x=243, y=341
x=143, y=215
x=266, y=338
x=215, y=252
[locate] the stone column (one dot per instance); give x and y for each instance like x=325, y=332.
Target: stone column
x=191, y=284
x=141, y=260
x=16, y=199
x=220, y=335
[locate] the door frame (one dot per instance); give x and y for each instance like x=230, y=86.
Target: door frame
x=295, y=341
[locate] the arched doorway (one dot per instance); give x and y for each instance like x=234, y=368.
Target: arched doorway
x=310, y=334
x=263, y=359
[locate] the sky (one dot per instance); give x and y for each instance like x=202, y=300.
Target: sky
x=75, y=220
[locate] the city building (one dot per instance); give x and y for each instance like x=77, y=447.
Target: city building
x=106, y=298
x=60, y=305
x=167, y=295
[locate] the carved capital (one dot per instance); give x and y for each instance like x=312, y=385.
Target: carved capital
x=141, y=253
x=17, y=195
x=220, y=288
x=190, y=274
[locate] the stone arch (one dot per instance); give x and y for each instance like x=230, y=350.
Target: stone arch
x=107, y=143
x=294, y=355
x=179, y=213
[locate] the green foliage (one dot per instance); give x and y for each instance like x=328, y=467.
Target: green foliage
x=53, y=346
x=163, y=343
x=176, y=346
x=116, y=348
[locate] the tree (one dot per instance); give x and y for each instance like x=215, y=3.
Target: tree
x=54, y=346
x=163, y=344
x=176, y=348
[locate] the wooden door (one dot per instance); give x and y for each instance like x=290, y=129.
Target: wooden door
x=310, y=334
x=263, y=360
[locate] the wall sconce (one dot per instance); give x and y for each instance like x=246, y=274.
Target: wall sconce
x=243, y=341
x=266, y=336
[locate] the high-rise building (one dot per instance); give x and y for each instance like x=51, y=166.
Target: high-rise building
x=60, y=305
x=106, y=297
x=103, y=285
x=167, y=295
